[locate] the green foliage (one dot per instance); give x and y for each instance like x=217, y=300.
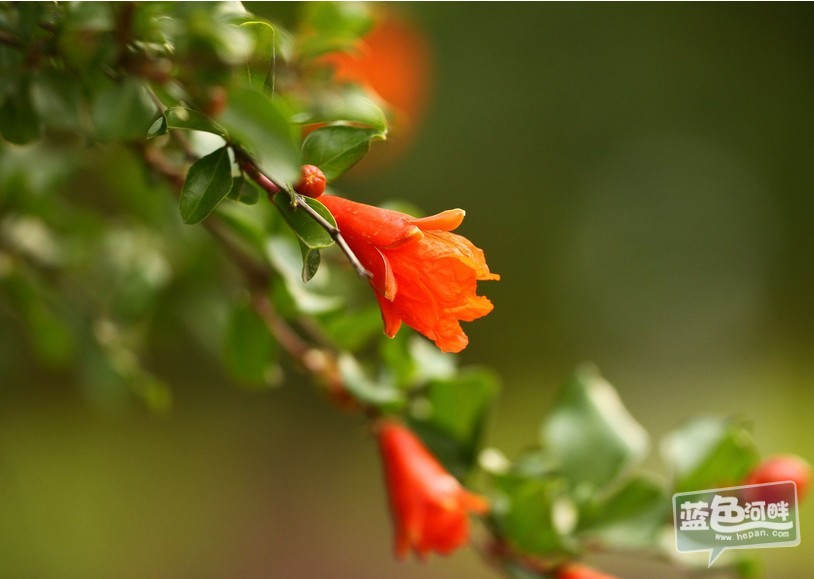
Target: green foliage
x=591, y=433
x=336, y=149
x=208, y=182
x=710, y=452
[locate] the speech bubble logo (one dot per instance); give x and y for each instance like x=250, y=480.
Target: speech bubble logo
x=743, y=517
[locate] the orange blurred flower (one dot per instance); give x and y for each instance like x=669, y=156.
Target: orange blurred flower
x=578, y=571
x=423, y=275
x=394, y=61
x=429, y=507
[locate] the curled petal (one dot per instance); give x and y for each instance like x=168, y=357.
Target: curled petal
x=423, y=274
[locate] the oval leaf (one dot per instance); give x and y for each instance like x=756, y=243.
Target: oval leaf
x=591, y=432
x=208, y=182
x=311, y=233
x=337, y=148
x=192, y=120
x=250, y=349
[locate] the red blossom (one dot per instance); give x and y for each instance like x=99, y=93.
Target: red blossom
x=423, y=275
x=579, y=571
x=429, y=507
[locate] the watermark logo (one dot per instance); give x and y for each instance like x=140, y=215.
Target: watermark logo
x=744, y=517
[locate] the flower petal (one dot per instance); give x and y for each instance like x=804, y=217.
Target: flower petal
x=445, y=221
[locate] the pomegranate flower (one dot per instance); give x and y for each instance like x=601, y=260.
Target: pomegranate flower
x=423, y=275
x=429, y=507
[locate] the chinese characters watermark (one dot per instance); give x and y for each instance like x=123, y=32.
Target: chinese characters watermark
x=744, y=517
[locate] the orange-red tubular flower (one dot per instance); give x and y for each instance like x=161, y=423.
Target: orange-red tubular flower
x=429, y=507
x=423, y=275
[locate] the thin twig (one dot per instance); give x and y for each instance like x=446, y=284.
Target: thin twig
x=267, y=182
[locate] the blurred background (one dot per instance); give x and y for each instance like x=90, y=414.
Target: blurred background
x=640, y=175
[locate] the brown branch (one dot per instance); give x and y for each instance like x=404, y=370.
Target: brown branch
x=321, y=363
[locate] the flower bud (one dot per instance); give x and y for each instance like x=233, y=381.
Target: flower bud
x=312, y=181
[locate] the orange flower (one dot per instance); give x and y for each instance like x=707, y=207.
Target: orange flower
x=429, y=507
x=423, y=275
x=577, y=571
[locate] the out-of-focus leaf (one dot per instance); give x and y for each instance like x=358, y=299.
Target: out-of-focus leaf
x=452, y=425
x=262, y=125
x=534, y=514
x=123, y=111
x=192, y=120
x=709, y=452
x=334, y=26
x=337, y=148
x=591, y=433
x=250, y=348
x=58, y=100
x=243, y=191
x=460, y=402
x=630, y=518
x=285, y=256
x=351, y=330
x=311, y=233
x=247, y=223
x=365, y=390
x=208, y=182
x=349, y=105
x=19, y=122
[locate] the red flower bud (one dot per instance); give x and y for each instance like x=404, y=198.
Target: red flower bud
x=782, y=468
x=423, y=275
x=312, y=181
x=429, y=506
x=576, y=571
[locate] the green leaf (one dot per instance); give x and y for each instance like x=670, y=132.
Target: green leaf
x=250, y=349
x=459, y=403
x=454, y=423
x=630, y=518
x=591, y=433
x=365, y=390
x=348, y=105
x=286, y=258
x=261, y=125
x=534, y=514
x=208, y=182
x=709, y=452
x=58, y=100
x=159, y=127
x=123, y=111
x=19, y=122
x=335, y=26
x=248, y=224
x=311, y=233
x=310, y=262
x=351, y=330
x=337, y=148
x=192, y=120
x=243, y=191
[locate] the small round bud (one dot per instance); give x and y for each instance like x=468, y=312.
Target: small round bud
x=312, y=181
x=782, y=468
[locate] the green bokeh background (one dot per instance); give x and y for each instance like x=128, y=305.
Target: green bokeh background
x=640, y=175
